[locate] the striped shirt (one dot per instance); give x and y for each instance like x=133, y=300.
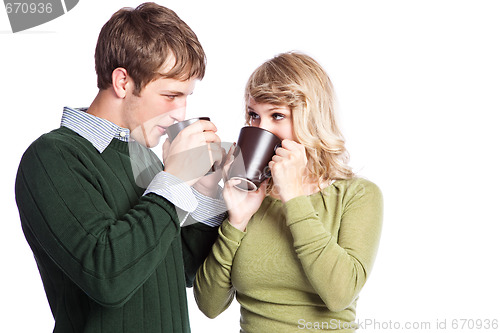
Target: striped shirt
x=99, y=132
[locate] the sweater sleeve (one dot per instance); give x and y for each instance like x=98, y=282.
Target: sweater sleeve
x=197, y=240
x=213, y=289
x=338, y=268
x=65, y=208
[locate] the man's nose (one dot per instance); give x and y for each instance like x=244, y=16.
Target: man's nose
x=179, y=114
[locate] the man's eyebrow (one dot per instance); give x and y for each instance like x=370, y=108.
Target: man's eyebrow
x=172, y=92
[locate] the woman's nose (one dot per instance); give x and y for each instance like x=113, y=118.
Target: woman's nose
x=266, y=125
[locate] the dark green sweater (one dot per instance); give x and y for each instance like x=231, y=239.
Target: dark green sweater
x=111, y=259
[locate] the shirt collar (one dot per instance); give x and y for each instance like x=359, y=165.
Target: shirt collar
x=96, y=130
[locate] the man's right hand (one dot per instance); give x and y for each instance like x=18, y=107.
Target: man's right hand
x=193, y=151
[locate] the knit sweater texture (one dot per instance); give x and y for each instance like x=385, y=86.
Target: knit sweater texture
x=111, y=259
x=299, y=266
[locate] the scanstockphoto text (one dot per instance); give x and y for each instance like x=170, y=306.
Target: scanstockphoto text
x=445, y=324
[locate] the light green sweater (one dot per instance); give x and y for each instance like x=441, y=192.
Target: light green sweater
x=300, y=265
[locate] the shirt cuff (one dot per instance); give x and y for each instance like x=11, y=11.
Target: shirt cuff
x=210, y=211
x=174, y=190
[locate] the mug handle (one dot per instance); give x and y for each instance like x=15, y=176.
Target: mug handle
x=267, y=170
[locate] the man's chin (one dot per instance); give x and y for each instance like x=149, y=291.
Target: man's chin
x=153, y=142
x=148, y=141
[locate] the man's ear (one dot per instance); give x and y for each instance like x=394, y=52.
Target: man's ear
x=122, y=82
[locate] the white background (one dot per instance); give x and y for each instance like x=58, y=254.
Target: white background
x=418, y=87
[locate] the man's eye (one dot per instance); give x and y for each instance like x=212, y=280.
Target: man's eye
x=171, y=97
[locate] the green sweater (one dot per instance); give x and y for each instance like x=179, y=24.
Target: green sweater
x=298, y=266
x=111, y=259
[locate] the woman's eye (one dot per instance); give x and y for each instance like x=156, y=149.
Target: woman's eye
x=253, y=115
x=278, y=116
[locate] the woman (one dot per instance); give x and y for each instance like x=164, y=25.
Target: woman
x=297, y=252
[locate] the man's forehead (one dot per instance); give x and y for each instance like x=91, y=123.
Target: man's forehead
x=177, y=85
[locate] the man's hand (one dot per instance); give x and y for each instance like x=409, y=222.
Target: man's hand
x=193, y=152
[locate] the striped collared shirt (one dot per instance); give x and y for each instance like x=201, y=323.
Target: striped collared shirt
x=100, y=132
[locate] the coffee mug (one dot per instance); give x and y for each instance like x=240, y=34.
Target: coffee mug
x=173, y=130
x=176, y=128
x=255, y=149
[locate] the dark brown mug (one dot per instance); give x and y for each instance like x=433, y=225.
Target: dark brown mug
x=255, y=149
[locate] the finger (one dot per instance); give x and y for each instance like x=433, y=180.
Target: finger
x=263, y=186
x=284, y=152
x=198, y=139
x=261, y=191
x=225, y=156
x=210, y=136
x=232, y=149
x=207, y=125
x=230, y=184
x=229, y=160
x=202, y=126
x=227, y=166
x=197, y=127
x=277, y=158
x=233, y=182
x=290, y=144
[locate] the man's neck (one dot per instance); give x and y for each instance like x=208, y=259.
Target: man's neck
x=107, y=106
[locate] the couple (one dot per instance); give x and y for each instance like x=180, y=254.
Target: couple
x=111, y=252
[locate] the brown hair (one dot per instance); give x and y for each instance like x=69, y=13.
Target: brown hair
x=140, y=40
x=299, y=82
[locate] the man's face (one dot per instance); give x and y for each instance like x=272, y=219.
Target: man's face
x=160, y=104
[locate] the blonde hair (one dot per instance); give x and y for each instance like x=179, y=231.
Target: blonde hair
x=299, y=82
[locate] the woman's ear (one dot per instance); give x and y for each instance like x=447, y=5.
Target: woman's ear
x=122, y=82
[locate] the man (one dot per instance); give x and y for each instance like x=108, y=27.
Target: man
x=97, y=207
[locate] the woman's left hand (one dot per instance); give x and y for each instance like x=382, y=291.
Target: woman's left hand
x=208, y=184
x=289, y=170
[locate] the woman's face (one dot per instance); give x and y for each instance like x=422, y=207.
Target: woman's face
x=277, y=119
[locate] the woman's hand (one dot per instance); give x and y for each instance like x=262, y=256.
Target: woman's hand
x=241, y=204
x=208, y=185
x=289, y=170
